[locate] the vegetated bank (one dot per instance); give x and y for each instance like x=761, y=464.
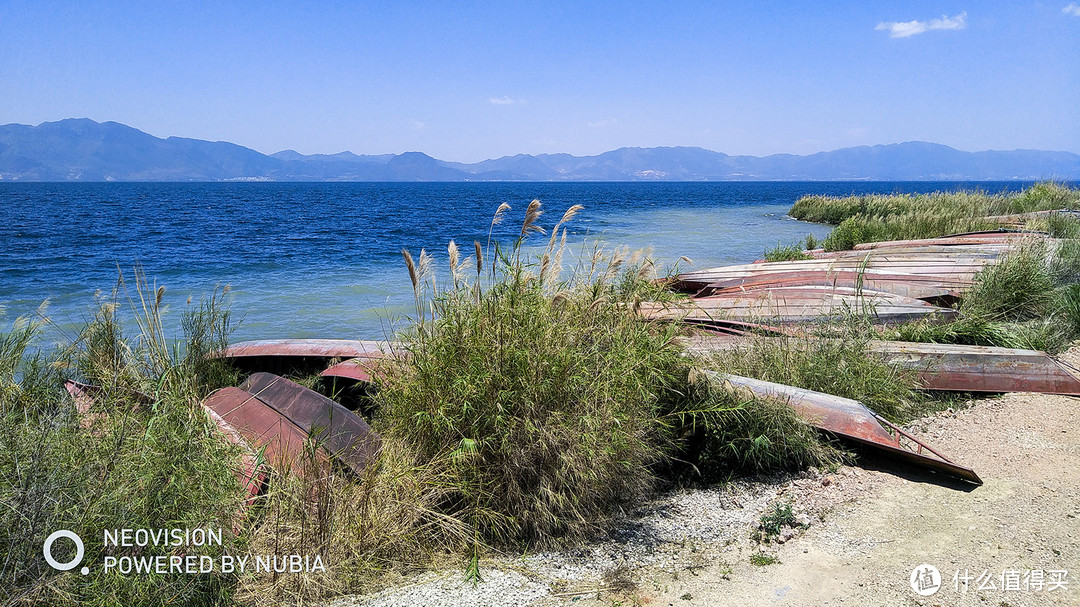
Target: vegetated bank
x=531, y=403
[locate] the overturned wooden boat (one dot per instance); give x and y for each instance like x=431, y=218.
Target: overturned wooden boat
x=945, y=367
x=963, y=368
x=849, y=419
x=278, y=440
x=950, y=269
x=931, y=289
x=331, y=426
x=305, y=355
x=795, y=304
x=304, y=348
x=986, y=240
x=251, y=473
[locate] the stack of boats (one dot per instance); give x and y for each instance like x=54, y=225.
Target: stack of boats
x=888, y=282
x=892, y=282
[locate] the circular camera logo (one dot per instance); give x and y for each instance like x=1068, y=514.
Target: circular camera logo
x=46, y=549
x=925, y=580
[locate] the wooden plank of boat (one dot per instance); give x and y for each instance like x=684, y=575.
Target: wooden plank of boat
x=304, y=348
x=83, y=395
x=850, y=419
x=300, y=356
x=926, y=288
x=340, y=431
x=278, y=438
x=954, y=267
x=795, y=304
x=965, y=368
x=920, y=252
x=994, y=238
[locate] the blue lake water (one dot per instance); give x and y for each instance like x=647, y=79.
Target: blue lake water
x=324, y=259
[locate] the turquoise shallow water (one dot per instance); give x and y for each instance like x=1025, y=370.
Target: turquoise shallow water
x=324, y=259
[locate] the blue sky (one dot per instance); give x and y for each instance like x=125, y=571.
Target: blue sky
x=468, y=81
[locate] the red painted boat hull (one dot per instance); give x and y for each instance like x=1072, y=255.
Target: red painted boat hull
x=333, y=427
x=850, y=419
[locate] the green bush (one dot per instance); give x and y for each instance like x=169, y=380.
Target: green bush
x=548, y=401
x=129, y=464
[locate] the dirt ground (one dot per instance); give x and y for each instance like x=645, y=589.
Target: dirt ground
x=871, y=528
x=1008, y=541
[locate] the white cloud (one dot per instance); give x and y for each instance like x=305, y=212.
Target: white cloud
x=504, y=100
x=904, y=29
x=1073, y=9
x=601, y=123
x=417, y=125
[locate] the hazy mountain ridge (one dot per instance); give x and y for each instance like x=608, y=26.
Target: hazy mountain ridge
x=85, y=150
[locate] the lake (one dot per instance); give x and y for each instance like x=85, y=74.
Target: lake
x=324, y=259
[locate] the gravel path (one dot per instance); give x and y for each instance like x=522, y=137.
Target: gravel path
x=868, y=528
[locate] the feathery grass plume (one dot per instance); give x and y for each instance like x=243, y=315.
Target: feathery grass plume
x=424, y=266
x=556, y=262
x=452, y=254
x=532, y=214
x=479, y=257
x=545, y=264
x=618, y=258
x=567, y=216
x=499, y=213
x=496, y=220
x=411, y=265
x=647, y=271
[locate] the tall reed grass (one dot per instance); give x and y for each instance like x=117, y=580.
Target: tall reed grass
x=133, y=462
x=878, y=217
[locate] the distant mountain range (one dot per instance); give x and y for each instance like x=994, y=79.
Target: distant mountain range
x=85, y=150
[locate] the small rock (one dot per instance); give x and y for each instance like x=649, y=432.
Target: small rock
x=787, y=534
x=802, y=520
x=825, y=482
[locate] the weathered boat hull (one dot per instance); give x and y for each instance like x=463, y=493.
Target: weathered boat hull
x=303, y=355
x=796, y=304
x=930, y=289
x=341, y=432
x=280, y=441
x=850, y=419
x=964, y=368
x=948, y=367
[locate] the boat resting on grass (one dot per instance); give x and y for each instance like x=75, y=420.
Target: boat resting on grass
x=931, y=289
x=334, y=428
x=951, y=269
x=962, y=368
x=278, y=440
x=305, y=354
x=850, y=419
x=795, y=304
x=945, y=367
